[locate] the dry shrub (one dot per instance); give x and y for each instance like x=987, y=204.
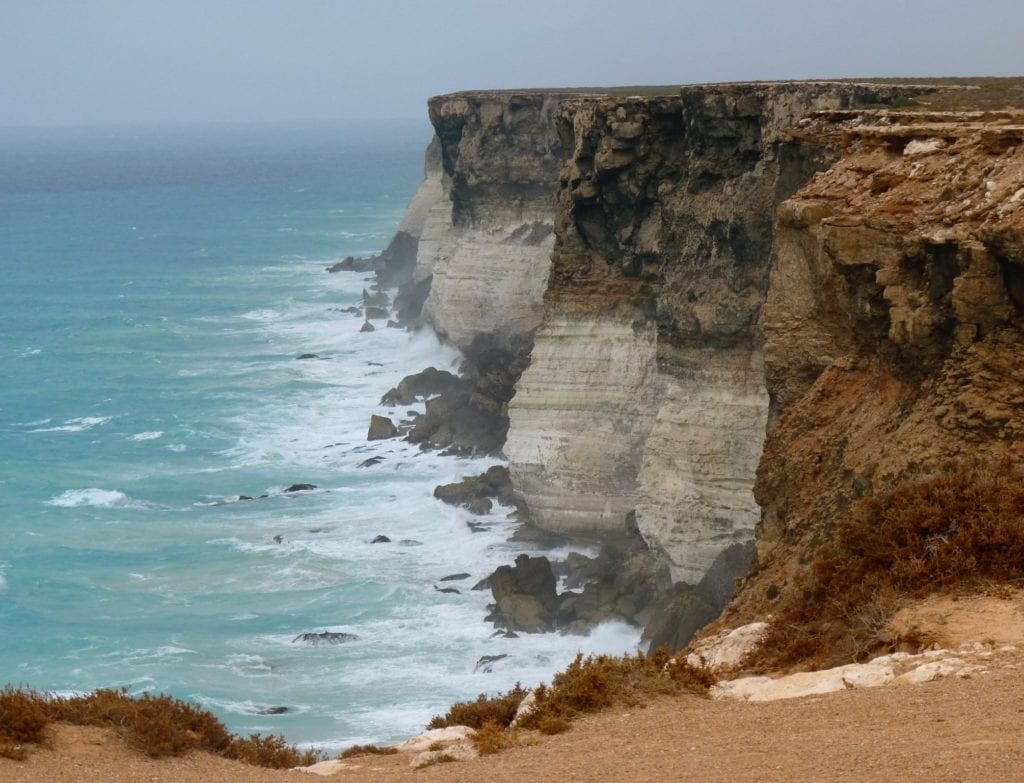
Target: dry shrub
x=22, y=721
x=367, y=750
x=492, y=738
x=156, y=725
x=499, y=710
x=954, y=531
x=600, y=681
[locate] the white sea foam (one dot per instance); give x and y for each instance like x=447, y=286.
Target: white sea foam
x=80, y=424
x=151, y=435
x=95, y=498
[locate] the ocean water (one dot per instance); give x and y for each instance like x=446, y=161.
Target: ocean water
x=158, y=285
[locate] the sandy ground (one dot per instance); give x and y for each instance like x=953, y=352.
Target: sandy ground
x=949, y=730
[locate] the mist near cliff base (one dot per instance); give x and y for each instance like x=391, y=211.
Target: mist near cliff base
x=199, y=61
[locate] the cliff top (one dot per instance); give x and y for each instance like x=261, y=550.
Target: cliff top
x=938, y=93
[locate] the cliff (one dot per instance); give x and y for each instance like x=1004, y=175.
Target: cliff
x=623, y=255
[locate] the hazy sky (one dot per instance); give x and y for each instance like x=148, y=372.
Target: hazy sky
x=149, y=61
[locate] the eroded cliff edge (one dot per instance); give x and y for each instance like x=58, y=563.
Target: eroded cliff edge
x=619, y=247
x=894, y=326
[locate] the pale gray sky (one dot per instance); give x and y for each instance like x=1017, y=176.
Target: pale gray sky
x=73, y=62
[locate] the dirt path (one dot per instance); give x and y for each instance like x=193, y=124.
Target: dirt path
x=949, y=730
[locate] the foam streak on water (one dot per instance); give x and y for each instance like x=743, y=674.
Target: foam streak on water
x=162, y=387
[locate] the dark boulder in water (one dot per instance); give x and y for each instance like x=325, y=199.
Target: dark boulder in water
x=427, y=383
x=326, y=637
x=369, y=463
x=270, y=710
x=475, y=492
x=525, y=595
x=300, y=487
x=454, y=577
x=376, y=313
x=353, y=264
x=447, y=590
x=367, y=327
x=484, y=664
x=381, y=540
x=307, y=356
x=381, y=428
x=378, y=299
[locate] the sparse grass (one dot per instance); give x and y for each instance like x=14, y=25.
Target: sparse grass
x=155, y=725
x=492, y=738
x=368, y=750
x=954, y=531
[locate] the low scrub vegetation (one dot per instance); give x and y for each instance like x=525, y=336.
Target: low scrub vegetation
x=962, y=531
x=155, y=725
x=587, y=685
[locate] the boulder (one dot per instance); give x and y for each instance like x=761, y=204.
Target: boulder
x=367, y=327
x=475, y=492
x=326, y=637
x=381, y=540
x=300, y=487
x=727, y=650
x=427, y=383
x=378, y=299
x=525, y=595
x=376, y=313
x=381, y=428
x=353, y=264
x=454, y=577
x=484, y=664
x=369, y=463
x=307, y=356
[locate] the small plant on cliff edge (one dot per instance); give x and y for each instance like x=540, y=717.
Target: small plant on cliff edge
x=953, y=531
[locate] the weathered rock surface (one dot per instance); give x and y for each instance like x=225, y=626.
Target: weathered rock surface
x=381, y=428
x=427, y=383
x=893, y=324
x=525, y=595
x=476, y=492
x=645, y=391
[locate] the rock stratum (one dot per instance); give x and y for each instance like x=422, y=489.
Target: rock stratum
x=724, y=310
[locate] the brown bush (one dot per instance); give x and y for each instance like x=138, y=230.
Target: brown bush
x=600, y=681
x=492, y=738
x=156, y=725
x=367, y=750
x=953, y=531
x=500, y=710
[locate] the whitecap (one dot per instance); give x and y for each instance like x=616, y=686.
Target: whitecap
x=24, y=354
x=177, y=447
x=140, y=436
x=80, y=424
x=95, y=498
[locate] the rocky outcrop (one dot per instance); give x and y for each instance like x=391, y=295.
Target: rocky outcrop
x=645, y=391
x=893, y=326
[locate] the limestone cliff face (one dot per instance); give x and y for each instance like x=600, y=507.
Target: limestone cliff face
x=894, y=324
x=488, y=243
x=645, y=395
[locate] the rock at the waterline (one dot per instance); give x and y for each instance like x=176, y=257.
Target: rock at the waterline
x=504, y=634
x=454, y=577
x=278, y=539
x=447, y=590
x=483, y=584
x=307, y=356
x=484, y=664
x=410, y=542
x=525, y=594
x=378, y=299
x=245, y=497
x=381, y=428
x=353, y=264
x=376, y=313
x=270, y=711
x=326, y=637
x=300, y=487
x=381, y=540
x=475, y=492
x=367, y=327
x=393, y=324
x=369, y=463
x=427, y=383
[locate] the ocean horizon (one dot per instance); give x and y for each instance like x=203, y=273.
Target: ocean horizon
x=161, y=284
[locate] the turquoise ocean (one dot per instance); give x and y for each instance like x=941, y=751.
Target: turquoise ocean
x=158, y=287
